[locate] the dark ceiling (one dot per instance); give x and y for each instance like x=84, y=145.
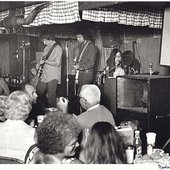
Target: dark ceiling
x=157, y=5
x=6, y=5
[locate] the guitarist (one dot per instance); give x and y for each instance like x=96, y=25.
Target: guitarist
x=84, y=61
x=49, y=70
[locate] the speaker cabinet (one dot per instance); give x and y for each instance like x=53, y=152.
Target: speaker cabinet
x=147, y=99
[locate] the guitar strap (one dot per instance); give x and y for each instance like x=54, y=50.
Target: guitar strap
x=80, y=56
x=50, y=51
x=46, y=57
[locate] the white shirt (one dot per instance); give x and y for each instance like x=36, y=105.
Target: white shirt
x=16, y=138
x=118, y=72
x=93, y=107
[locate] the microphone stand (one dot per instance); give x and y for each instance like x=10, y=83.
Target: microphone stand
x=67, y=65
x=23, y=47
x=104, y=73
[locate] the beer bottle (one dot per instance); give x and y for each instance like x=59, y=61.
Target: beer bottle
x=137, y=144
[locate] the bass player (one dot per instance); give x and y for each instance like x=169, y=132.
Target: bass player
x=49, y=70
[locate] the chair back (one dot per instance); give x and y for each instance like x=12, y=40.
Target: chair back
x=10, y=160
x=31, y=153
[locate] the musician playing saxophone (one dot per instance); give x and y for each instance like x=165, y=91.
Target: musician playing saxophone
x=49, y=70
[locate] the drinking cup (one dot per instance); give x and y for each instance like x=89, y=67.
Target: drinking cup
x=151, y=137
x=129, y=154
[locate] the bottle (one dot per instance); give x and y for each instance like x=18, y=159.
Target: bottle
x=104, y=76
x=4, y=77
x=149, y=149
x=7, y=79
x=150, y=68
x=137, y=144
x=17, y=81
x=14, y=82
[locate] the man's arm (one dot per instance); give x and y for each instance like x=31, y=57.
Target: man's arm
x=62, y=104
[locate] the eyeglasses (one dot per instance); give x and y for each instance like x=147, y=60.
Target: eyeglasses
x=80, y=97
x=73, y=145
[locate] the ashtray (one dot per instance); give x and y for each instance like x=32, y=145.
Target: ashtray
x=158, y=151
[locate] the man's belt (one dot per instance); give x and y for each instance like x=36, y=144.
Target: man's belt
x=86, y=70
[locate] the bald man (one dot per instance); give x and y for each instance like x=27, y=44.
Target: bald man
x=90, y=96
x=37, y=106
x=31, y=92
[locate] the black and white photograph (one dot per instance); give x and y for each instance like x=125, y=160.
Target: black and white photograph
x=70, y=70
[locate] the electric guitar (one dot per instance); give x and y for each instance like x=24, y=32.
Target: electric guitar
x=76, y=75
x=41, y=66
x=77, y=61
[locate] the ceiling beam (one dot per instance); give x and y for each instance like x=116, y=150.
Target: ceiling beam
x=94, y=4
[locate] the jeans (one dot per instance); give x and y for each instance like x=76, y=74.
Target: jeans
x=85, y=78
x=47, y=92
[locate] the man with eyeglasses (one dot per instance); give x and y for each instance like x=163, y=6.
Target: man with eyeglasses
x=90, y=96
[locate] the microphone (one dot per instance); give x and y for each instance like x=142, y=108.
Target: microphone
x=27, y=44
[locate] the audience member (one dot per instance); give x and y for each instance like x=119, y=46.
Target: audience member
x=4, y=89
x=16, y=135
x=56, y=139
x=104, y=145
x=37, y=107
x=90, y=96
x=31, y=92
x=2, y=107
x=41, y=158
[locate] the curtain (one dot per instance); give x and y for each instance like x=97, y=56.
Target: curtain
x=58, y=12
x=152, y=19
